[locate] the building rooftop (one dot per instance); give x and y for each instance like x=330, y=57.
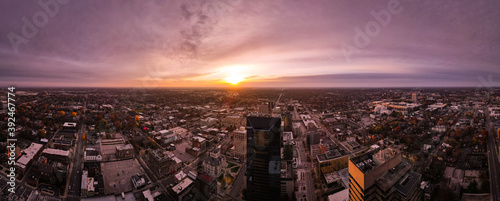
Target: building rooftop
x=373, y=159
x=69, y=125
x=215, y=159
x=46, y=168
x=165, y=132
x=199, y=139
x=408, y=183
x=329, y=155
x=339, y=196
x=332, y=177
x=57, y=152
x=138, y=181
x=262, y=123
x=124, y=147
x=181, y=175
x=62, y=142
x=161, y=155
x=286, y=170
x=384, y=155
x=388, y=180
x=28, y=154
x=85, y=181
x=182, y=185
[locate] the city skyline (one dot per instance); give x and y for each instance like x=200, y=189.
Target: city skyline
x=250, y=44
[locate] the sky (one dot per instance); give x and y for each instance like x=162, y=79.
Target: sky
x=279, y=43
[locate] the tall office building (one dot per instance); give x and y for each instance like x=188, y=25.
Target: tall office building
x=312, y=138
x=287, y=121
x=414, y=97
x=240, y=143
x=263, y=109
x=271, y=105
x=287, y=146
x=383, y=175
x=263, y=158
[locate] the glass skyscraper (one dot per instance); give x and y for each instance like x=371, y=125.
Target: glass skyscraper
x=263, y=158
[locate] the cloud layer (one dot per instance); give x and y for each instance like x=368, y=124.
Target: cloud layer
x=278, y=43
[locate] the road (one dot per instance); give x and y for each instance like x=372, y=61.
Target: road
x=239, y=183
x=75, y=176
x=304, y=163
x=493, y=160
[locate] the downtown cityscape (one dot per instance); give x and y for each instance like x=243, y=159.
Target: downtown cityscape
x=249, y=100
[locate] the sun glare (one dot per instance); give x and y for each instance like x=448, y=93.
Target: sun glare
x=234, y=79
x=234, y=75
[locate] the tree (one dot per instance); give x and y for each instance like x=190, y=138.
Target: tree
x=230, y=128
x=485, y=186
x=394, y=113
x=41, y=133
x=472, y=188
x=397, y=129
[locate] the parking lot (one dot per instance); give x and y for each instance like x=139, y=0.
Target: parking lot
x=117, y=175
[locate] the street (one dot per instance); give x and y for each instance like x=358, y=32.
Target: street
x=73, y=191
x=493, y=160
x=305, y=165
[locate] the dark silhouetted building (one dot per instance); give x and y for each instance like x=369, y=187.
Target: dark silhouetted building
x=312, y=138
x=263, y=158
x=287, y=121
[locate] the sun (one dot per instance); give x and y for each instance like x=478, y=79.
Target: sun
x=234, y=75
x=234, y=79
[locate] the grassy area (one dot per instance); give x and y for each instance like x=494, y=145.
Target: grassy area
x=230, y=165
x=235, y=169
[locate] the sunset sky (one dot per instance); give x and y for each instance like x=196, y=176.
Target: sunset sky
x=211, y=43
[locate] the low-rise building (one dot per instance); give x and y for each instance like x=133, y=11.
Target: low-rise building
x=214, y=164
x=331, y=161
x=124, y=151
x=91, y=155
x=138, y=181
x=182, y=189
x=58, y=155
x=163, y=163
x=27, y=157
